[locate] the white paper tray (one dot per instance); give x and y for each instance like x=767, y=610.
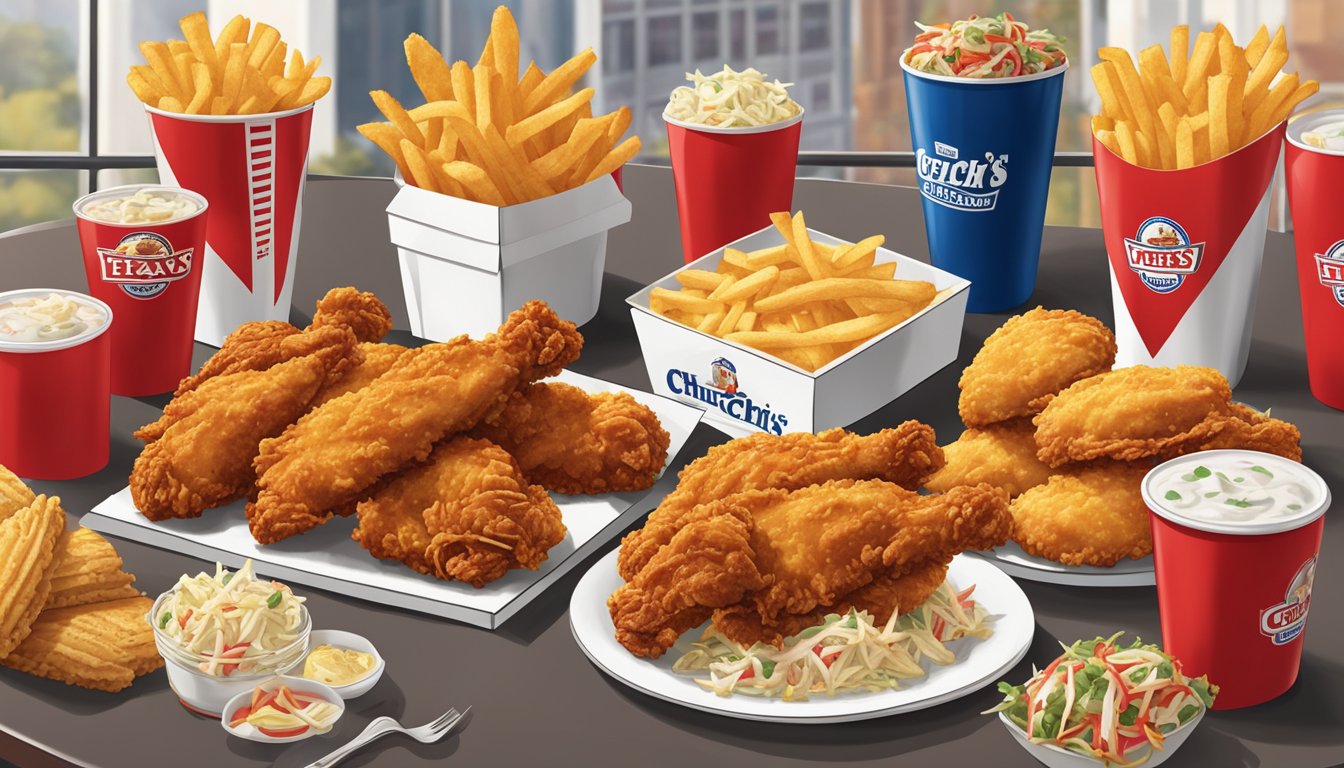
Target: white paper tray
x=327, y=558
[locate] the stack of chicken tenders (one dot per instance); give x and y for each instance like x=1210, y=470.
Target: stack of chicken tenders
x=1070, y=439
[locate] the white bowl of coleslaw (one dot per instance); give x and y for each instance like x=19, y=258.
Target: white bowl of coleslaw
x=218, y=641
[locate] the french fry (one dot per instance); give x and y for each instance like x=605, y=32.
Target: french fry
x=699, y=278
x=386, y=137
x=235, y=31
x=840, y=288
x=1110, y=141
x=142, y=89
x=1148, y=154
x=1158, y=80
x=419, y=165
x=161, y=63
x=504, y=44
x=848, y=330
x=1195, y=86
x=432, y=74
x=1144, y=112
x=197, y=32
x=1113, y=102
x=749, y=286
x=1219, y=141
x=1102, y=123
x=397, y=115
x=476, y=181
x=547, y=117
x=1232, y=62
x=861, y=252
x=1255, y=49
x=1257, y=84
x=557, y=84
x=464, y=88
x=681, y=300
x=1263, y=117
x=200, y=75
x=1124, y=135
x=1180, y=52
x=170, y=104
x=614, y=159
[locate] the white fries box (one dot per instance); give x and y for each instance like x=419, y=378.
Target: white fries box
x=745, y=390
x=466, y=265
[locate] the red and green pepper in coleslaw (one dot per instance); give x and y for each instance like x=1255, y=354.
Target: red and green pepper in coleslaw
x=1103, y=700
x=985, y=47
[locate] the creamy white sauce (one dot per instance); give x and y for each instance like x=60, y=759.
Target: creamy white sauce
x=1328, y=136
x=144, y=207
x=47, y=318
x=1235, y=489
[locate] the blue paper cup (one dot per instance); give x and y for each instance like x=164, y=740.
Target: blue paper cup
x=984, y=149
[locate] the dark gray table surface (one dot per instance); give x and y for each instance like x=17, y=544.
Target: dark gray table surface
x=537, y=699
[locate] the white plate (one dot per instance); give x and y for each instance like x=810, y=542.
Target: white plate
x=979, y=662
x=326, y=557
x=1015, y=562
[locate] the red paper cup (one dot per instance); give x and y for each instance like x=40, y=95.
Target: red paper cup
x=149, y=274
x=1185, y=248
x=729, y=180
x=1233, y=597
x=55, y=398
x=1318, y=232
x=251, y=168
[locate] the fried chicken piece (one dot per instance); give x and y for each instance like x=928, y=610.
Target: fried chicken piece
x=905, y=455
x=1141, y=411
x=376, y=359
x=884, y=595
x=708, y=563
x=572, y=442
x=100, y=646
x=482, y=517
x=1003, y=455
x=1090, y=514
x=360, y=311
x=334, y=453
x=199, y=453
x=807, y=549
x=478, y=508
x=1028, y=360
x=260, y=345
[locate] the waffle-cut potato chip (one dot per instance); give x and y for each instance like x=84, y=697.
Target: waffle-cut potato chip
x=14, y=494
x=103, y=646
x=27, y=554
x=87, y=570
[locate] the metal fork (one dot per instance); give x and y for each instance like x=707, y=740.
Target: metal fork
x=381, y=726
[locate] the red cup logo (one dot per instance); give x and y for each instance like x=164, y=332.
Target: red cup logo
x=1284, y=622
x=143, y=264
x=1162, y=254
x=1330, y=270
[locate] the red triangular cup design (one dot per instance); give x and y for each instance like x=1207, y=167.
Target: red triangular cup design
x=1212, y=203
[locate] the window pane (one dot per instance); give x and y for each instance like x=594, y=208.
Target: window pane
x=705, y=31
x=618, y=47
x=123, y=128
x=816, y=27
x=664, y=40
x=737, y=37
x=40, y=86
x=31, y=197
x=767, y=31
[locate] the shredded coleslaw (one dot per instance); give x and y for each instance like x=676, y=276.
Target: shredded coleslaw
x=1102, y=700
x=731, y=99
x=231, y=619
x=985, y=46
x=843, y=653
x=283, y=712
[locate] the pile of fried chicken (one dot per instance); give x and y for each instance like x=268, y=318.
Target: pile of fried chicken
x=445, y=452
x=1070, y=440
x=766, y=535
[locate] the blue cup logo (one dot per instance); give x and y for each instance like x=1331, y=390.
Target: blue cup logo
x=966, y=185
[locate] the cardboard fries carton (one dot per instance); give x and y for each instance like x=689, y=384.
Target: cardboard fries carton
x=745, y=390
x=466, y=265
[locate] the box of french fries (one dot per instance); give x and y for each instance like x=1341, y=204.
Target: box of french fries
x=792, y=330
x=1185, y=149
x=465, y=265
x=506, y=186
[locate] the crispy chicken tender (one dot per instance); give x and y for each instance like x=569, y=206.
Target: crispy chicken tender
x=569, y=441
x=333, y=455
x=780, y=553
x=1088, y=514
x=200, y=451
x=905, y=455
x=1141, y=411
x=375, y=360
x=1003, y=455
x=1028, y=360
